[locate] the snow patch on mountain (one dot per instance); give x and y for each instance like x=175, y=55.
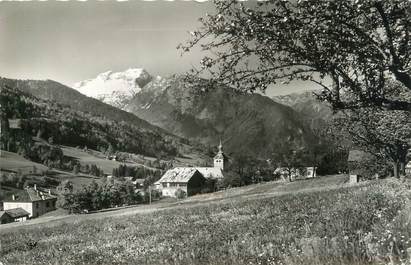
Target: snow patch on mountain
x=115, y=88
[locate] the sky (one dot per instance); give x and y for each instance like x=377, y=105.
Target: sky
x=73, y=41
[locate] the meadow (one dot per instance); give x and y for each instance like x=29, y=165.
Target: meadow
x=300, y=223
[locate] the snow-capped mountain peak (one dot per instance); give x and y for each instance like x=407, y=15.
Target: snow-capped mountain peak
x=115, y=88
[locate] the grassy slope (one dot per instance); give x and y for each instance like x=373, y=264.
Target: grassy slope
x=96, y=158
x=321, y=221
x=14, y=162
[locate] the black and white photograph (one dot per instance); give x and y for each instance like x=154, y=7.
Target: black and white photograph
x=195, y=132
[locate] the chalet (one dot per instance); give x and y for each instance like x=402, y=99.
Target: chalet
x=35, y=201
x=191, y=180
x=13, y=215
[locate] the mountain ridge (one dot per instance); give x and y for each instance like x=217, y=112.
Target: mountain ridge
x=115, y=88
x=249, y=123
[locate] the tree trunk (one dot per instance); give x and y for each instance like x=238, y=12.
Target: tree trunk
x=395, y=167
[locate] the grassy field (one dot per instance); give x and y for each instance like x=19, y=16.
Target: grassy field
x=98, y=158
x=12, y=161
x=320, y=221
x=94, y=157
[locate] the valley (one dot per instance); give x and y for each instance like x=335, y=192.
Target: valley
x=215, y=133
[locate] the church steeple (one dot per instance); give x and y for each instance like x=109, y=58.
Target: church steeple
x=219, y=158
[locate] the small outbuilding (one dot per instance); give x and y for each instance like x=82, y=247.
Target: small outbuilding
x=5, y=218
x=13, y=215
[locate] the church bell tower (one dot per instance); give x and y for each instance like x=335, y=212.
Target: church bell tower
x=219, y=158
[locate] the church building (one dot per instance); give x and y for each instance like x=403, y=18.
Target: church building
x=192, y=180
x=220, y=158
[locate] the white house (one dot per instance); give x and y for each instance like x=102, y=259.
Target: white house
x=35, y=201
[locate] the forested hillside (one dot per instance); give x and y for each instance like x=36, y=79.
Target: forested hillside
x=59, y=93
x=60, y=124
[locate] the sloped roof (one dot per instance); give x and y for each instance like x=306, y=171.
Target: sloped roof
x=211, y=172
x=184, y=174
x=30, y=195
x=281, y=170
x=178, y=174
x=17, y=212
x=2, y=213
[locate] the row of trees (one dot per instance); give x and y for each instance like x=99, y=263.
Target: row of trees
x=13, y=180
x=19, y=180
x=135, y=172
x=97, y=196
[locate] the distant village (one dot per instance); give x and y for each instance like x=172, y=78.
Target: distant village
x=178, y=182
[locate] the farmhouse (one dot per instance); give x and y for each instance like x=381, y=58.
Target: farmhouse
x=191, y=180
x=13, y=215
x=36, y=202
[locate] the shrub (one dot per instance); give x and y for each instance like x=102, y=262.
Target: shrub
x=180, y=194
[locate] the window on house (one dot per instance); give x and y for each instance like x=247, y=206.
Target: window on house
x=37, y=205
x=165, y=185
x=47, y=204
